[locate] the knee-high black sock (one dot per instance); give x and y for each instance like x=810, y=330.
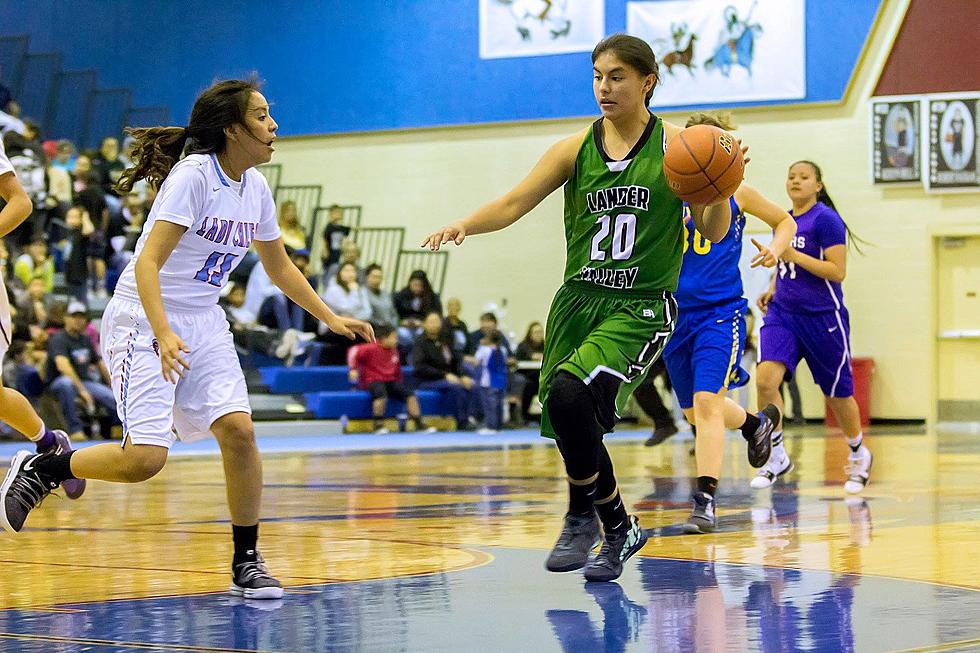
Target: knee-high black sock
x=581, y=492
x=608, y=502
x=571, y=410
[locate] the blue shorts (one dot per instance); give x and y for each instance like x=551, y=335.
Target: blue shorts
x=704, y=353
x=822, y=339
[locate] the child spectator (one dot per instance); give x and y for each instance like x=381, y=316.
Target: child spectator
x=35, y=263
x=492, y=377
x=333, y=236
x=377, y=368
x=80, y=227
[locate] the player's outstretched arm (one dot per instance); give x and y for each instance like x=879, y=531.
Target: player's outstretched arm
x=550, y=172
x=284, y=273
x=754, y=202
x=18, y=203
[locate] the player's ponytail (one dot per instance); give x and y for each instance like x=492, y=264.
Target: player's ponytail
x=158, y=149
x=824, y=197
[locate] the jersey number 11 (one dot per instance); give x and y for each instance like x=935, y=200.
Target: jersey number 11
x=214, y=272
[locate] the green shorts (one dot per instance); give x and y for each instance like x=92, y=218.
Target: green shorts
x=607, y=341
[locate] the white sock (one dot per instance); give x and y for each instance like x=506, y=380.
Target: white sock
x=39, y=435
x=856, y=442
x=778, y=450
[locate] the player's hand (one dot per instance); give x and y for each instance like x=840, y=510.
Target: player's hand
x=351, y=328
x=467, y=382
x=454, y=231
x=745, y=151
x=790, y=255
x=172, y=361
x=766, y=257
x=452, y=378
x=763, y=301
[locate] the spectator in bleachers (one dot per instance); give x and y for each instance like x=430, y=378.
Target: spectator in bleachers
x=530, y=349
x=73, y=366
x=377, y=368
x=21, y=372
x=455, y=324
x=260, y=293
x=93, y=198
x=413, y=303
x=350, y=252
x=235, y=306
x=333, y=235
x=382, y=304
x=345, y=296
x=293, y=235
x=79, y=175
x=27, y=159
x=109, y=166
x=438, y=367
x=36, y=263
x=488, y=324
x=416, y=300
x=492, y=380
x=65, y=157
x=33, y=305
x=76, y=252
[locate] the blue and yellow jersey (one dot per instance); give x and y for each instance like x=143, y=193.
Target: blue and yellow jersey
x=710, y=273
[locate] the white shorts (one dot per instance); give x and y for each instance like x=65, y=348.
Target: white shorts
x=153, y=410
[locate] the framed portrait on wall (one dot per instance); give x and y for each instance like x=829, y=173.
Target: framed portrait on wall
x=950, y=143
x=895, y=143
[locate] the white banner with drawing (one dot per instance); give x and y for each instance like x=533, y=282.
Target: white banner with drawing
x=528, y=28
x=714, y=52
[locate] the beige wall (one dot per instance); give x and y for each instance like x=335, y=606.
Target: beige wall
x=423, y=179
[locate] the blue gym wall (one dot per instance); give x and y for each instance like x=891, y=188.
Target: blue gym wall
x=341, y=66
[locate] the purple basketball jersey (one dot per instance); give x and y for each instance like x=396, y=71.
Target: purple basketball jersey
x=800, y=291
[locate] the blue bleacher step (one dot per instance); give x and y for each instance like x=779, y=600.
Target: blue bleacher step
x=356, y=404
x=287, y=380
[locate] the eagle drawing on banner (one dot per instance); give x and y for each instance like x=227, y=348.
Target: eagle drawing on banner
x=547, y=13
x=737, y=45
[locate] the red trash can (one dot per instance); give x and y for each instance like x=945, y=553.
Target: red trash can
x=862, y=369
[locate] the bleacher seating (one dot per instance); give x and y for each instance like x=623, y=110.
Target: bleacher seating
x=329, y=395
x=356, y=404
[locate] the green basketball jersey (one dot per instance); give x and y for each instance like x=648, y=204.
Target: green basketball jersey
x=623, y=225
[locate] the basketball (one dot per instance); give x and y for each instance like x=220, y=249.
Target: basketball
x=704, y=165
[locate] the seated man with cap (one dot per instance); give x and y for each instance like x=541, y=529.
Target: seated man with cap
x=76, y=370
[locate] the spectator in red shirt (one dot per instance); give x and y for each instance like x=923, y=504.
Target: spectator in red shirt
x=377, y=368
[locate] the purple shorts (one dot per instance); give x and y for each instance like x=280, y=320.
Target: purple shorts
x=822, y=339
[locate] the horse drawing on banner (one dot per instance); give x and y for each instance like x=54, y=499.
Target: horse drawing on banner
x=547, y=13
x=738, y=44
x=680, y=57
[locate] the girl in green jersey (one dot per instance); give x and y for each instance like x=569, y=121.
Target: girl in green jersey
x=614, y=313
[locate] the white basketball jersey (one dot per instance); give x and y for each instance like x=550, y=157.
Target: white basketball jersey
x=5, y=165
x=222, y=219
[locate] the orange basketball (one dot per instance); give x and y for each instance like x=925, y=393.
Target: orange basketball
x=704, y=165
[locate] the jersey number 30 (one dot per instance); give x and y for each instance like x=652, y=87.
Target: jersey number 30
x=216, y=268
x=623, y=237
